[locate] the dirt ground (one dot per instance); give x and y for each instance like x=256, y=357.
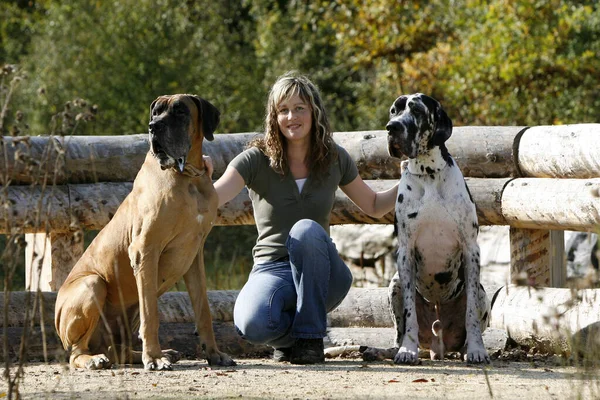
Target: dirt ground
x=512, y=375
x=338, y=378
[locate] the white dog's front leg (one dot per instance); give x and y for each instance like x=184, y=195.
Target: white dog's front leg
x=409, y=348
x=476, y=352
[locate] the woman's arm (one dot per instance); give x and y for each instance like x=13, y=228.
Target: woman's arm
x=375, y=204
x=229, y=185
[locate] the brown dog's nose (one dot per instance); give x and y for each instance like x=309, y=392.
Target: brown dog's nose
x=155, y=125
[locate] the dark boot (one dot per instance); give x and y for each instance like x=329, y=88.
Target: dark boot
x=282, y=354
x=307, y=351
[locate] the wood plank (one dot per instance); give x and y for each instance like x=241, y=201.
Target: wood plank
x=479, y=151
x=536, y=257
x=551, y=319
x=560, y=151
x=547, y=203
x=91, y=206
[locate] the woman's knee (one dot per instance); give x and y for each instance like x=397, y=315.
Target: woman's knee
x=307, y=232
x=260, y=317
x=256, y=329
x=340, y=285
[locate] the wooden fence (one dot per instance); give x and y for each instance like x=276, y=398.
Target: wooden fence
x=539, y=180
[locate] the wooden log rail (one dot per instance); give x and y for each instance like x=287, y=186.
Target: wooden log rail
x=551, y=319
x=558, y=151
x=177, y=322
x=539, y=180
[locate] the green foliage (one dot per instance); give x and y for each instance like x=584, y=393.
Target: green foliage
x=228, y=256
x=490, y=63
x=18, y=19
x=122, y=55
x=525, y=63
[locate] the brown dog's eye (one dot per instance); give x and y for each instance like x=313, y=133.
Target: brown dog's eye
x=156, y=111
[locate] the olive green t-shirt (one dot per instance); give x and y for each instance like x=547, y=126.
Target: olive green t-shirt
x=278, y=204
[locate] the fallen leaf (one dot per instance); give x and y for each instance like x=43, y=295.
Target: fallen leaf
x=393, y=381
x=420, y=380
x=3, y=394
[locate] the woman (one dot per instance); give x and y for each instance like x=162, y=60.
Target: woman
x=292, y=175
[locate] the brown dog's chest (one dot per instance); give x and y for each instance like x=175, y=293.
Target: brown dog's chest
x=167, y=218
x=188, y=224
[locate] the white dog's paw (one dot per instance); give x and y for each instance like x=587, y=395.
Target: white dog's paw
x=477, y=355
x=407, y=356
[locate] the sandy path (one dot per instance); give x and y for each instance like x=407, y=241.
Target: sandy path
x=336, y=379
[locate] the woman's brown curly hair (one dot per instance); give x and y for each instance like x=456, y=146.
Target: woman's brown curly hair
x=322, y=151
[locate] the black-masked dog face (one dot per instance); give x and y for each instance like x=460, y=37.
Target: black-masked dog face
x=175, y=121
x=417, y=122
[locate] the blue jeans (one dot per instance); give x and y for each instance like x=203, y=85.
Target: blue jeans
x=285, y=300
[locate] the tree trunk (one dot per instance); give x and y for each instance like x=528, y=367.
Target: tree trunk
x=91, y=206
x=560, y=151
x=561, y=204
x=479, y=151
x=551, y=319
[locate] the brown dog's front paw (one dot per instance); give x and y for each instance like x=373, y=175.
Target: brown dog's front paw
x=220, y=359
x=158, y=364
x=99, y=361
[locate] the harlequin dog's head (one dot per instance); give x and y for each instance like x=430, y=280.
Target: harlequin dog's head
x=176, y=122
x=417, y=123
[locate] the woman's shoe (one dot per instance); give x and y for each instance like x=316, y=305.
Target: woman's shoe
x=282, y=354
x=307, y=351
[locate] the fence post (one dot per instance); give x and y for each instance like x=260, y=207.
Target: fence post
x=49, y=258
x=539, y=253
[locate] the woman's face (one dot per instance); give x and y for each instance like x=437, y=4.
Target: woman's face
x=294, y=117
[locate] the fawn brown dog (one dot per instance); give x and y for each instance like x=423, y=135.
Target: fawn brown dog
x=156, y=236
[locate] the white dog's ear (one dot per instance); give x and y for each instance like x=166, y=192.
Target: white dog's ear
x=443, y=126
x=210, y=115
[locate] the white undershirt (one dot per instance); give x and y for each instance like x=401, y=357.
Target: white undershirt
x=300, y=183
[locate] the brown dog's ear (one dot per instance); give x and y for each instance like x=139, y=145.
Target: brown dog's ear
x=152, y=106
x=209, y=115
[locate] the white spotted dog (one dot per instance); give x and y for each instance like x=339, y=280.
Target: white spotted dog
x=436, y=298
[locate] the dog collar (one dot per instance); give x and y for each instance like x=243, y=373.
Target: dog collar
x=191, y=171
x=428, y=163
